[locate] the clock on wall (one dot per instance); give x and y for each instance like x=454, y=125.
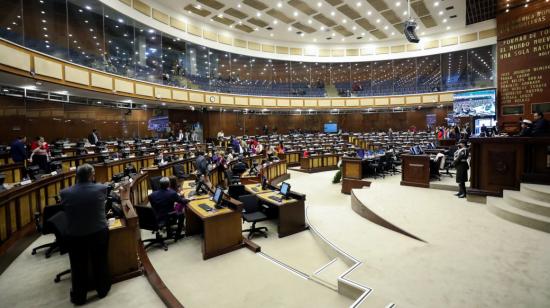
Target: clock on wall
x=212, y=99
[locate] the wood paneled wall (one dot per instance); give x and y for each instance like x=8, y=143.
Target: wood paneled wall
x=55, y=120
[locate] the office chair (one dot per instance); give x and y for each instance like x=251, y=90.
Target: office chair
x=148, y=221
x=233, y=178
x=179, y=172
x=236, y=190
x=59, y=226
x=434, y=169
x=251, y=213
x=44, y=226
x=154, y=182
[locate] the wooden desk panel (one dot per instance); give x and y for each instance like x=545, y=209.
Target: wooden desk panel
x=317, y=163
x=291, y=213
x=12, y=172
x=221, y=228
x=415, y=170
x=503, y=163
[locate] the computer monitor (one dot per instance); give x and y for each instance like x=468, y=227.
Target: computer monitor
x=285, y=189
x=264, y=182
x=218, y=196
x=55, y=165
x=418, y=150
x=360, y=153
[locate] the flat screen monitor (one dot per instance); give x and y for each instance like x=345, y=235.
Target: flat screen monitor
x=285, y=189
x=218, y=194
x=158, y=124
x=418, y=149
x=474, y=103
x=360, y=153
x=331, y=128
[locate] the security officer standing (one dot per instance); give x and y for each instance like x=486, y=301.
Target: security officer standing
x=461, y=164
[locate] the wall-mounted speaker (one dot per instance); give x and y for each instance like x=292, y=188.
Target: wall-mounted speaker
x=410, y=31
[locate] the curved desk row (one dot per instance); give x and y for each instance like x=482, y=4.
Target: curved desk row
x=318, y=163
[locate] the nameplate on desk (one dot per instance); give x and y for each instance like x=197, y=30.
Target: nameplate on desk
x=152, y=153
x=53, y=173
x=72, y=168
x=91, y=152
x=132, y=156
x=63, y=155
x=115, y=159
x=105, y=151
x=26, y=182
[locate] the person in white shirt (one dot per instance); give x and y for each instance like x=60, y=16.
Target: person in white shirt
x=93, y=138
x=220, y=137
x=180, y=136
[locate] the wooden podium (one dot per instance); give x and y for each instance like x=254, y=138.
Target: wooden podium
x=415, y=170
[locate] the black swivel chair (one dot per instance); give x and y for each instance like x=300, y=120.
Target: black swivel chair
x=148, y=221
x=44, y=226
x=179, y=172
x=59, y=226
x=154, y=182
x=236, y=190
x=251, y=213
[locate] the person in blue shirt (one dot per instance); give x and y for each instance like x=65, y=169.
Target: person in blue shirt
x=18, y=150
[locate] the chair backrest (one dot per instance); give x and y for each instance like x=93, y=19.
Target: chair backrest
x=147, y=217
x=154, y=182
x=178, y=170
x=58, y=224
x=250, y=203
x=47, y=213
x=235, y=191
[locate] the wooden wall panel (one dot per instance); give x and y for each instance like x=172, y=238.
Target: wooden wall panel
x=77, y=75
x=102, y=81
x=48, y=68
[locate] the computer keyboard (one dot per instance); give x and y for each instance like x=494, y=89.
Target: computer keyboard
x=255, y=189
x=275, y=198
x=205, y=207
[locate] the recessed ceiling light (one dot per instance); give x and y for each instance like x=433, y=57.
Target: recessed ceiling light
x=378, y=21
x=309, y=21
x=271, y=34
x=393, y=33
x=295, y=13
x=358, y=4
x=258, y=14
x=343, y=39
x=423, y=33
x=448, y=28
x=445, y=20
x=289, y=28
x=344, y=21
x=362, y=33
x=404, y=13
x=333, y=34
x=354, y=28
x=199, y=6
x=315, y=40
x=440, y=12
x=369, y=13
x=385, y=27
x=332, y=13
x=319, y=4
x=279, y=4
x=301, y=34
x=398, y=4
x=322, y=28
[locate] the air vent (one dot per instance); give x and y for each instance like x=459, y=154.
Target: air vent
x=269, y=28
x=359, y=37
x=329, y=38
x=449, y=8
x=299, y=32
x=452, y=16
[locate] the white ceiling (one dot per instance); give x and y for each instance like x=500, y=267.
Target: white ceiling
x=365, y=9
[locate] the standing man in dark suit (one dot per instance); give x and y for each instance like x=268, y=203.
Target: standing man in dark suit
x=540, y=126
x=88, y=234
x=93, y=138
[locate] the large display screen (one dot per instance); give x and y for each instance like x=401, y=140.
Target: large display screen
x=331, y=128
x=474, y=103
x=158, y=124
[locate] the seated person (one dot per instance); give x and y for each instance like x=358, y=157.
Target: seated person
x=163, y=201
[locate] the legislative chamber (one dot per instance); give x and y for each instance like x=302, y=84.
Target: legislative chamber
x=254, y=153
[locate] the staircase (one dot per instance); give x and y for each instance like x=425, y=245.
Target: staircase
x=529, y=207
x=329, y=273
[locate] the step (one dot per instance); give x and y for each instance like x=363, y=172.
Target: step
x=526, y=202
x=537, y=191
x=328, y=274
x=374, y=299
x=501, y=208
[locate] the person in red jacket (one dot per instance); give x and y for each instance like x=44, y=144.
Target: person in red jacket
x=40, y=154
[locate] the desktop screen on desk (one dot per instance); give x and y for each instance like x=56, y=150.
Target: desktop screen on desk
x=285, y=187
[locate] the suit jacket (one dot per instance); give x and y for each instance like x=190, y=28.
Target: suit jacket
x=93, y=139
x=163, y=201
x=84, y=204
x=539, y=128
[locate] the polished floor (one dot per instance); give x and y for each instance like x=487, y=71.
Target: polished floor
x=470, y=258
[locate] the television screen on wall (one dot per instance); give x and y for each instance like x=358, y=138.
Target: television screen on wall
x=158, y=124
x=480, y=103
x=331, y=128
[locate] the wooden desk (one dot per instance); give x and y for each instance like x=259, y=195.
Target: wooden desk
x=123, y=246
x=504, y=162
x=415, y=170
x=291, y=157
x=12, y=172
x=104, y=172
x=18, y=205
x=221, y=229
x=446, y=142
x=290, y=213
x=317, y=163
x=353, y=174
